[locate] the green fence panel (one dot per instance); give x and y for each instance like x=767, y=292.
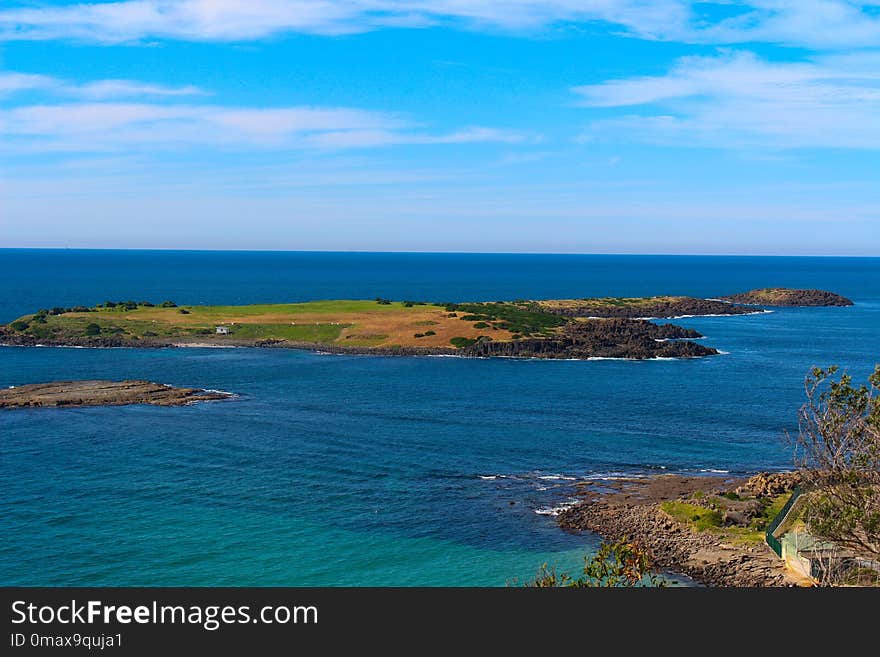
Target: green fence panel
x=771, y=539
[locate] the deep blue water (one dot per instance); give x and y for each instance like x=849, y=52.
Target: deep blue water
x=372, y=470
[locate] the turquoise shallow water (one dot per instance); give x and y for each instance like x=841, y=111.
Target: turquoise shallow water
x=370, y=470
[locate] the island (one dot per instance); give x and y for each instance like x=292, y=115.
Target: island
x=606, y=327
x=103, y=393
x=784, y=297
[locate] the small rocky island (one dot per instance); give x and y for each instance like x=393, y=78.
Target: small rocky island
x=784, y=297
x=103, y=393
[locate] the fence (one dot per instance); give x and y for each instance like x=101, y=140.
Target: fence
x=771, y=539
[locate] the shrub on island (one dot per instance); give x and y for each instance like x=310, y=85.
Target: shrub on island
x=93, y=329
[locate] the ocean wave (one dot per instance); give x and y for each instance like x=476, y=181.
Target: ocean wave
x=756, y=312
x=556, y=510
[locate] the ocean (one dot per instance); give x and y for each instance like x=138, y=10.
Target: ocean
x=363, y=470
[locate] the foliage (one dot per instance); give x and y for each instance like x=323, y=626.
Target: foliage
x=615, y=565
x=699, y=517
x=461, y=342
x=19, y=326
x=517, y=318
x=93, y=329
x=838, y=454
x=168, y=304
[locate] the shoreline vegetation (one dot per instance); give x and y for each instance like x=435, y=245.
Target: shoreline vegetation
x=550, y=329
x=72, y=394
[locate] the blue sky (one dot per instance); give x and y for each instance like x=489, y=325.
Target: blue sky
x=587, y=126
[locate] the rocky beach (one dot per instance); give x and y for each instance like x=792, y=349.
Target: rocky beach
x=709, y=528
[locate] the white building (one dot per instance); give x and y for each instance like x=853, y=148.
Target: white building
x=222, y=330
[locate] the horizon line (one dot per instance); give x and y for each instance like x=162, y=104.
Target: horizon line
x=368, y=252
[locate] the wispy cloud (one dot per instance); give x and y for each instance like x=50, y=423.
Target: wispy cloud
x=12, y=82
x=737, y=99
x=817, y=23
x=95, y=127
x=232, y=20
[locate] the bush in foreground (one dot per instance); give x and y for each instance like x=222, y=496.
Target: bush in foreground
x=619, y=564
x=838, y=448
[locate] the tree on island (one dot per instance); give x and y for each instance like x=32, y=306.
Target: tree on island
x=838, y=455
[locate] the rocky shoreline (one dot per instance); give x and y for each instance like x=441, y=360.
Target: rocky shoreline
x=635, y=509
x=103, y=393
x=614, y=338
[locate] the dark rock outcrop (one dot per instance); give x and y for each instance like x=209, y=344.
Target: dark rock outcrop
x=603, y=338
x=103, y=393
x=780, y=296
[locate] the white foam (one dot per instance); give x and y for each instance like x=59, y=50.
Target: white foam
x=557, y=477
x=555, y=510
x=756, y=312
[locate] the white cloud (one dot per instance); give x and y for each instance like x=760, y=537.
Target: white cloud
x=818, y=23
x=231, y=20
x=12, y=82
x=95, y=127
x=814, y=23
x=736, y=99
